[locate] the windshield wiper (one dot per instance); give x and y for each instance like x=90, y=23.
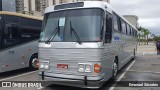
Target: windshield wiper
x=53, y=34
x=77, y=37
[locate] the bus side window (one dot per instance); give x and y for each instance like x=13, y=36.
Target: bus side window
x=6, y=33
x=128, y=29
x=131, y=31
x=136, y=34
x=108, y=31
x=10, y=35
x=28, y=34
x=123, y=27
x=116, y=23
x=29, y=31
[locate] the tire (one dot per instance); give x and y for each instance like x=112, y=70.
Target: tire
x=115, y=69
x=33, y=62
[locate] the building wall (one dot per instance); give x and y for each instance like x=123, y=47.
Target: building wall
x=50, y=2
x=132, y=19
x=32, y=5
x=26, y=5
x=19, y=5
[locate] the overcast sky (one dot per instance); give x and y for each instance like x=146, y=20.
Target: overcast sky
x=148, y=12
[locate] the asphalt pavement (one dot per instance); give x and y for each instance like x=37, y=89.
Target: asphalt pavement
x=146, y=68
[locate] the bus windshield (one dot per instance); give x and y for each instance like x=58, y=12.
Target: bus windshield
x=78, y=25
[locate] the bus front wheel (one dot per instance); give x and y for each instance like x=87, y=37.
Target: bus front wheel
x=33, y=64
x=115, y=69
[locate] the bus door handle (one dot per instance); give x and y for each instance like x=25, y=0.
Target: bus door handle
x=11, y=52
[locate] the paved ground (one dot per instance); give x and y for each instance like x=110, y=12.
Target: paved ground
x=149, y=49
x=146, y=67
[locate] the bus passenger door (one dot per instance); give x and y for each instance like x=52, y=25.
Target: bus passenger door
x=108, y=47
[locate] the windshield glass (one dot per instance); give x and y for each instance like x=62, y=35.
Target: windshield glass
x=80, y=24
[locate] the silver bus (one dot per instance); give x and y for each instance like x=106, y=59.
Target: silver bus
x=85, y=43
x=19, y=36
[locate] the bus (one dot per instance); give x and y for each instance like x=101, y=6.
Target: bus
x=84, y=42
x=19, y=34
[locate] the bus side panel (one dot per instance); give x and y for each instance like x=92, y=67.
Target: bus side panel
x=125, y=50
x=107, y=61
x=124, y=46
x=9, y=61
x=19, y=42
x=17, y=57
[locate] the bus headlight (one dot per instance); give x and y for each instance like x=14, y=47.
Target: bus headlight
x=81, y=68
x=84, y=67
x=88, y=68
x=41, y=66
x=44, y=65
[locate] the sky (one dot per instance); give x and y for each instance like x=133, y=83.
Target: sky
x=148, y=12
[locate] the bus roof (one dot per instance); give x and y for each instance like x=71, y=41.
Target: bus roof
x=87, y=4
x=74, y=5
x=20, y=15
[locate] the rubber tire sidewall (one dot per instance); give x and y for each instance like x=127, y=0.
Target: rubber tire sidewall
x=30, y=62
x=114, y=77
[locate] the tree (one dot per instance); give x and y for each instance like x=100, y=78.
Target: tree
x=156, y=38
x=139, y=35
x=145, y=32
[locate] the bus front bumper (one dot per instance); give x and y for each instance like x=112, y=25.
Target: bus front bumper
x=73, y=80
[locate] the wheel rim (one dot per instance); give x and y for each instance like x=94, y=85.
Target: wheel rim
x=34, y=63
x=115, y=69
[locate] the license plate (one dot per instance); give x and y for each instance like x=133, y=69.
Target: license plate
x=62, y=66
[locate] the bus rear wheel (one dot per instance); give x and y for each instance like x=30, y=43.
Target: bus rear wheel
x=33, y=64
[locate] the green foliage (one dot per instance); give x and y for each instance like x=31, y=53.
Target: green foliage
x=143, y=37
x=156, y=38
x=150, y=39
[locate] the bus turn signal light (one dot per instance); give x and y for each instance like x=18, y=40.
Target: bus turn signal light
x=97, y=68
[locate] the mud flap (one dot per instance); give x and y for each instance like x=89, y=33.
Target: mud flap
x=85, y=80
x=42, y=75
